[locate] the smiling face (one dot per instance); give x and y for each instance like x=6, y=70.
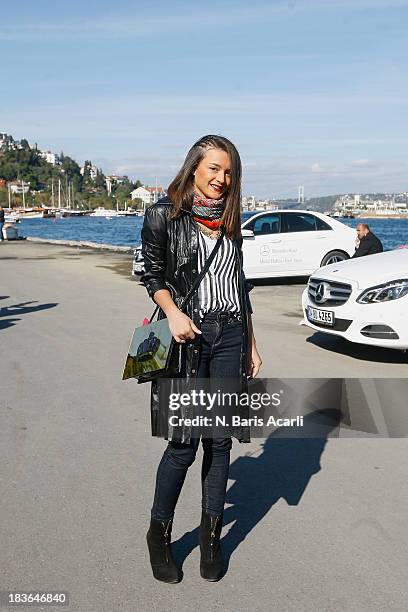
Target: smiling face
x=212, y=176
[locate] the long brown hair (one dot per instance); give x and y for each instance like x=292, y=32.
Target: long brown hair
x=181, y=189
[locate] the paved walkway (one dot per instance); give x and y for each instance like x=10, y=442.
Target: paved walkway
x=312, y=526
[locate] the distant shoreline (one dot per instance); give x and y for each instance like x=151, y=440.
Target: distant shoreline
x=381, y=216
x=83, y=244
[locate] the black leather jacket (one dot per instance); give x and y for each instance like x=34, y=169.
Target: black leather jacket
x=170, y=254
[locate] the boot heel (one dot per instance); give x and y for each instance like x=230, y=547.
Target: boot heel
x=158, y=541
x=211, y=562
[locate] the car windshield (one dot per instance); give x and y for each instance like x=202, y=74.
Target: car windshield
x=248, y=214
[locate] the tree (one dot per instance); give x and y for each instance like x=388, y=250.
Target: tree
x=70, y=167
x=100, y=180
x=87, y=169
x=3, y=196
x=26, y=164
x=123, y=191
x=137, y=203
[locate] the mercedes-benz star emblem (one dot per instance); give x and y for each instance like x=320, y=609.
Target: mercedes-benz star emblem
x=322, y=293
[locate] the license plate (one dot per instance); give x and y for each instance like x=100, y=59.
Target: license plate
x=320, y=316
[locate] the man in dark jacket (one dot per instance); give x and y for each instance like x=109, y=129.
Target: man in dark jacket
x=368, y=243
x=1, y=222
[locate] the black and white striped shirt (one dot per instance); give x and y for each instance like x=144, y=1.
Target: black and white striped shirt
x=218, y=291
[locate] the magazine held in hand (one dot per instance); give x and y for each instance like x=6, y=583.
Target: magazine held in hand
x=151, y=349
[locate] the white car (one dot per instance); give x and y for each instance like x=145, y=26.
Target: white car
x=293, y=243
x=286, y=243
x=363, y=300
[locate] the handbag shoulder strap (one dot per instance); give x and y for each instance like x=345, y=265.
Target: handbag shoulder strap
x=203, y=272
x=200, y=277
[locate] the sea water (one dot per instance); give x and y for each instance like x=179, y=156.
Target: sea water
x=125, y=231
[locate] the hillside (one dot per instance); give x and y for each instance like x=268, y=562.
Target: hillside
x=25, y=163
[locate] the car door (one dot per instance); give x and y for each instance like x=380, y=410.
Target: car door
x=303, y=236
x=262, y=251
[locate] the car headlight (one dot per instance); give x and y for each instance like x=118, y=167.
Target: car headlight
x=384, y=293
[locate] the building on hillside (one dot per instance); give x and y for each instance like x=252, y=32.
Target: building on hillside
x=93, y=172
x=8, y=142
x=265, y=205
x=4, y=139
x=19, y=187
x=114, y=179
x=141, y=193
x=148, y=195
x=357, y=204
x=248, y=203
x=50, y=158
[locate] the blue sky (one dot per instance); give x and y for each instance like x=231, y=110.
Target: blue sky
x=312, y=92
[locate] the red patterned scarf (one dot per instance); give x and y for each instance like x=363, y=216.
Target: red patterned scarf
x=207, y=211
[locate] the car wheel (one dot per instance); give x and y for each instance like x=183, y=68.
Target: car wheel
x=333, y=257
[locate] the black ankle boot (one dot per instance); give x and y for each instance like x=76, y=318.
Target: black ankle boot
x=158, y=540
x=211, y=563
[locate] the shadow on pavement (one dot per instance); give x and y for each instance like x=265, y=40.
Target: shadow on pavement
x=5, y=323
x=124, y=268
x=20, y=309
x=339, y=345
x=283, y=470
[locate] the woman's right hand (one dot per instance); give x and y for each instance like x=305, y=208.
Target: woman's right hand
x=182, y=328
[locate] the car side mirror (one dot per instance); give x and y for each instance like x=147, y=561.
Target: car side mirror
x=247, y=233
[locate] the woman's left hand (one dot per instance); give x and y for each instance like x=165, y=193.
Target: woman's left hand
x=254, y=362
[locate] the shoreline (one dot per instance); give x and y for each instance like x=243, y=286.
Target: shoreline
x=381, y=217
x=80, y=243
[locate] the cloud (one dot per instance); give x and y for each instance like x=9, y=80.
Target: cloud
x=275, y=178
x=285, y=140
x=361, y=163
x=364, y=163
x=322, y=169
x=159, y=168
x=358, y=167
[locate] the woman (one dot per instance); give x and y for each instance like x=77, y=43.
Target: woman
x=214, y=336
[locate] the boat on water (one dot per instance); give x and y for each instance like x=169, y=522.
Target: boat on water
x=129, y=213
x=11, y=217
x=70, y=212
x=101, y=211
x=45, y=212
x=18, y=214
x=337, y=214
x=110, y=213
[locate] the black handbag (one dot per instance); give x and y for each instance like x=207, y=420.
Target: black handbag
x=153, y=352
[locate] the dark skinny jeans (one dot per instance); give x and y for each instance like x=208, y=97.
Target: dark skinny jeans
x=221, y=341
